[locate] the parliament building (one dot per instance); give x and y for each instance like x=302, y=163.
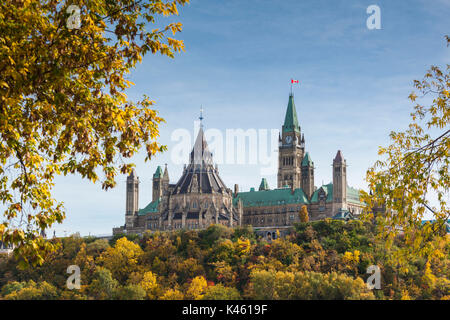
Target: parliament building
x=201, y=198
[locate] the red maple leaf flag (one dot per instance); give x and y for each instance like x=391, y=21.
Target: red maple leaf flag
x=294, y=81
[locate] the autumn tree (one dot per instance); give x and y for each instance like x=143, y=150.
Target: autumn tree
x=197, y=288
x=34, y=291
x=130, y=292
x=304, y=216
x=412, y=181
x=149, y=284
x=271, y=285
x=103, y=286
x=220, y=292
x=172, y=294
x=63, y=108
x=122, y=259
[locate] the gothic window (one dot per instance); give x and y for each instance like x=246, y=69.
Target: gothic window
x=194, y=204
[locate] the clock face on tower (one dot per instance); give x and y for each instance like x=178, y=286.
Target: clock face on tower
x=288, y=139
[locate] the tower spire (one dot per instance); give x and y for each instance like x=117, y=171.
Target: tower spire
x=291, y=119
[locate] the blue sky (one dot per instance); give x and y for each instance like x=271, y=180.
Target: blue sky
x=240, y=56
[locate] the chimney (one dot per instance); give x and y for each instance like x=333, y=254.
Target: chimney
x=236, y=190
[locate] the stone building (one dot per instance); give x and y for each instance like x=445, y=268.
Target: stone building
x=200, y=198
x=197, y=200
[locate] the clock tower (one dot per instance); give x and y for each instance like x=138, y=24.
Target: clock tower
x=291, y=149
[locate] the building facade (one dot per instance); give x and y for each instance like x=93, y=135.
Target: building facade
x=200, y=198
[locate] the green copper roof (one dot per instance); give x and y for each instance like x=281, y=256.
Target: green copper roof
x=271, y=197
x=158, y=173
x=151, y=207
x=307, y=161
x=328, y=188
x=264, y=185
x=353, y=195
x=291, y=121
x=343, y=215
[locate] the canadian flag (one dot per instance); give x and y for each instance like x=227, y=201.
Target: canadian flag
x=294, y=81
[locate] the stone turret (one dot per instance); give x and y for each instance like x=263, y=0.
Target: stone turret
x=339, y=183
x=308, y=176
x=132, y=199
x=157, y=184
x=165, y=181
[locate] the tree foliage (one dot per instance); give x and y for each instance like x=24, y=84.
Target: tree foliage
x=122, y=259
x=414, y=174
x=304, y=216
x=63, y=108
x=319, y=260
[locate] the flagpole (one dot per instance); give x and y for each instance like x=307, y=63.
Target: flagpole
x=291, y=86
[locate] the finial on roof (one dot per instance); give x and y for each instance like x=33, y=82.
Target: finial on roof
x=201, y=116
